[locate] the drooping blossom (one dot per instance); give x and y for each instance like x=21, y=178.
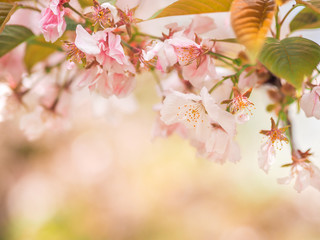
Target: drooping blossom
x=103, y=45
x=220, y=146
x=186, y=50
x=35, y=123
x=52, y=21
x=304, y=171
x=240, y=105
x=201, y=74
x=310, y=103
x=107, y=83
x=120, y=85
x=267, y=153
x=160, y=129
x=160, y=55
x=86, y=42
x=197, y=66
x=197, y=113
x=51, y=111
x=115, y=76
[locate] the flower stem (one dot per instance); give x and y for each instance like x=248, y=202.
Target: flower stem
x=157, y=79
x=29, y=7
x=287, y=14
x=277, y=24
x=219, y=83
x=290, y=134
x=220, y=56
x=133, y=49
x=147, y=35
x=73, y=9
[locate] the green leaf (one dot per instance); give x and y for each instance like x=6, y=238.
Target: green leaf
x=112, y=2
x=38, y=50
x=6, y=10
x=12, y=36
x=291, y=58
x=306, y=19
x=185, y=7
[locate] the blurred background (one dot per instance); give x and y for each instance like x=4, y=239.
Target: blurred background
x=106, y=178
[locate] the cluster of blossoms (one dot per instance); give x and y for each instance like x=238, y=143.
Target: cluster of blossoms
x=202, y=102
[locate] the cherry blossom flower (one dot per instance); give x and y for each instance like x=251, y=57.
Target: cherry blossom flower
x=102, y=45
x=107, y=84
x=310, y=103
x=35, y=123
x=160, y=129
x=201, y=74
x=52, y=21
x=110, y=46
x=162, y=53
x=305, y=172
x=267, y=151
x=240, y=105
x=219, y=147
x=197, y=113
x=187, y=109
x=86, y=42
x=186, y=50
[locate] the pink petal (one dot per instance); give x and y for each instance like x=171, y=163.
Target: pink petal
x=85, y=42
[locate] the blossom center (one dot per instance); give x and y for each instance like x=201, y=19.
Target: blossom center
x=74, y=53
x=241, y=103
x=187, y=54
x=191, y=114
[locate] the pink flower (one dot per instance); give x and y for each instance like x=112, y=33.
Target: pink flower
x=187, y=109
x=108, y=84
x=219, y=147
x=310, y=103
x=35, y=123
x=102, y=45
x=305, y=172
x=267, y=151
x=110, y=46
x=240, y=105
x=86, y=42
x=267, y=156
x=200, y=74
x=186, y=50
x=52, y=22
x=164, y=54
x=196, y=113
x=121, y=85
x=160, y=129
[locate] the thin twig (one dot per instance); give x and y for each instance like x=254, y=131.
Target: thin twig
x=309, y=5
